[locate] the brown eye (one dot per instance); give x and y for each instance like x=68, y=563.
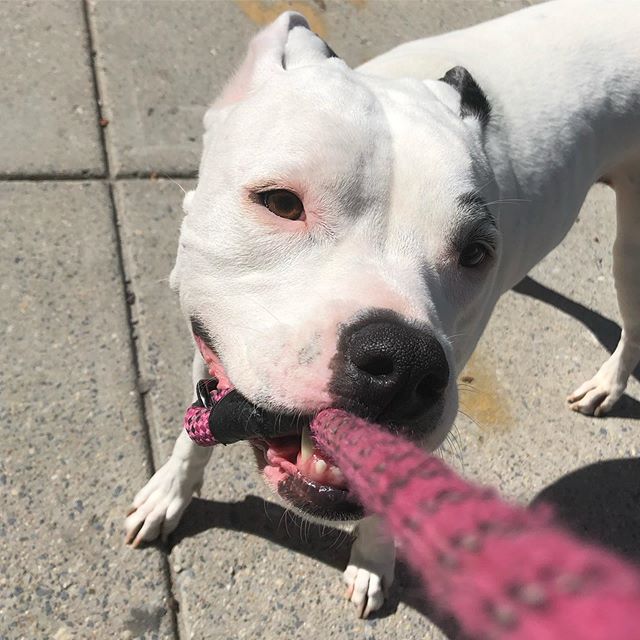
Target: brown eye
x=283, y=203
x=473, y=255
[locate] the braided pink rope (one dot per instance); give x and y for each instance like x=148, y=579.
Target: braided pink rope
x=196, y=421
x=501, y=571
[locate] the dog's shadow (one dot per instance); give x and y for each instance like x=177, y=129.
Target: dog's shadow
x=606, y=332
x=601, y=503
x=323, y=543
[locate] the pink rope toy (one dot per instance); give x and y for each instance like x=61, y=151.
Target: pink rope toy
x=502, y=571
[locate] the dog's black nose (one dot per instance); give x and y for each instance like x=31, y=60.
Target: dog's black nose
x=390, y=369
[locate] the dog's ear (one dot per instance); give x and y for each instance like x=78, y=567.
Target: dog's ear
x=286, y=43
x=303, y=48
x=264, y=57
x=473, y=101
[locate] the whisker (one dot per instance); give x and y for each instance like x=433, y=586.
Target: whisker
x=458, y=443
x=508, y=201
x=249, y=328
x=282, y=516
x=467, y=386
x=455, y=335
x=168, y=177
x=266, y=512
x=262, y=306
x=479, y=189
x=448, y=448
x=339, y=539
x=468, y=417
x=449, y=444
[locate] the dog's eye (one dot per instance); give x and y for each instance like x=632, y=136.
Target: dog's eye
x=283, y=203
x=473, y=255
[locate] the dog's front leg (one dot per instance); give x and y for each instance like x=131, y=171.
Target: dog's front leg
x=371, y=566
x=159, y=505
x=598, y=395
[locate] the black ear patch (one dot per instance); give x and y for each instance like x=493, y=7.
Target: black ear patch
x=322, y=49
x=473, y=102
x=330, y=52
x=297, y=20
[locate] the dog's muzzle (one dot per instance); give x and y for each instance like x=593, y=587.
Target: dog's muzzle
x=282, y=444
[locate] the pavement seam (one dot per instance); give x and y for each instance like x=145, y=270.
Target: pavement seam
x=127, y=290
x=79, y=177
x=51, y=177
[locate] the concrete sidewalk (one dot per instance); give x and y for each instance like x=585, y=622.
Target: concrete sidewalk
x=102, y=104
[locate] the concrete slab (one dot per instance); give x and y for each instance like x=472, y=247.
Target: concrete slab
x=71, y=432
x=150, y=212
x=49, y=123
x=157, y=80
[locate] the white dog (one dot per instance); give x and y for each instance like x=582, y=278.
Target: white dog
x=347, y=240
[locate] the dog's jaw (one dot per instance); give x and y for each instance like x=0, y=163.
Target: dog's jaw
x=304, y=478
x=291, y=465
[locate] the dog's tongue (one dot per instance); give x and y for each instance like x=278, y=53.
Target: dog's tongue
x=216, y=369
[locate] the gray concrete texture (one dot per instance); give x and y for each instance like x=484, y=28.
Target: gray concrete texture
x=96, y=358
x=49, y=124
x=72, y=438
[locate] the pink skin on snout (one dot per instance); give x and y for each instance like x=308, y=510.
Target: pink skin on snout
x=216, y=370
x=300, y=377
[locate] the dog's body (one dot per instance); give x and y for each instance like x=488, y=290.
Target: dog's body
x=460, y=189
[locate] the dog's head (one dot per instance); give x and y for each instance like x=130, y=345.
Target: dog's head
x=337, y=245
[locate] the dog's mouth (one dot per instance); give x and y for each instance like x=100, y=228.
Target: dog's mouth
x=290, y=464
x=305, y=477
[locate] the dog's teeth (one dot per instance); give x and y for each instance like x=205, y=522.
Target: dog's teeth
x=306, y=445
x=321, y=466
x=336, y=473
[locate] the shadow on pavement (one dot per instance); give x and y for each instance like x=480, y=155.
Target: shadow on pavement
x=606, y=331
x=601, y=503
x=324, y=543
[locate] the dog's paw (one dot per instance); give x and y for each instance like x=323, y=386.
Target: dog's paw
x=371, y=567
x=366, y=589
x=159, y=505
x=598, y=395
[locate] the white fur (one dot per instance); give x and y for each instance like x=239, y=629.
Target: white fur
x=379, y=156
x=370, y=571
x=159, y=505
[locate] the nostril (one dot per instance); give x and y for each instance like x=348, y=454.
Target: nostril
x=377, y=365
